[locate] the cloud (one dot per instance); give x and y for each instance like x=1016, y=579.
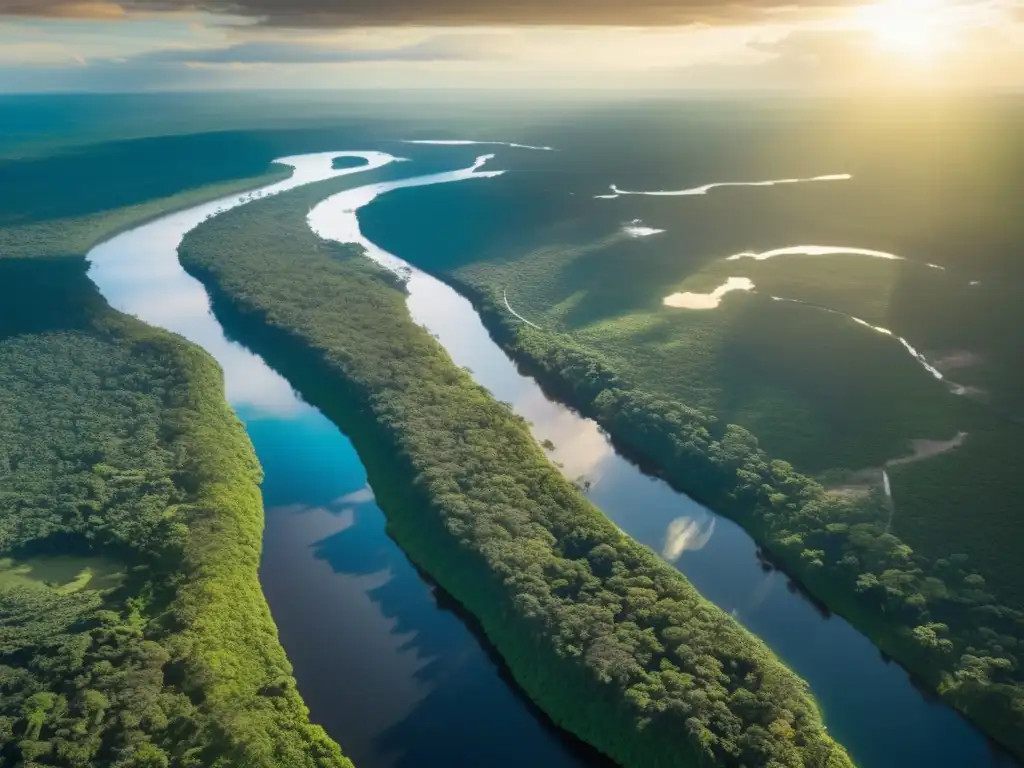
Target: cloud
x=373, y=13
x=822, y=47
x=970, y=50
x=437, y=48
x=62, y=9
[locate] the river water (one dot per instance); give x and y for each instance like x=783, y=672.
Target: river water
x=870, y=705
x=380, y=658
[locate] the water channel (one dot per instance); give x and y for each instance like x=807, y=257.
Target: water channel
x=383, y=663
x=381, y=659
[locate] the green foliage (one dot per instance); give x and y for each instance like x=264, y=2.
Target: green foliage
x=614, y=643
x=75, y=235
x=976, y=516
x=934, y=614
x=133, y=631
x=817, y=389
x=64, y=573
x=797, y=377
x=74, y=182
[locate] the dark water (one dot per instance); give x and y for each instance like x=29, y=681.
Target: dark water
x=870, y=705
x=391, y=672
x=385, y=665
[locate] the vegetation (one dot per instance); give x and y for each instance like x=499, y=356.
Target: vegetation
x=77, y=234
x=798, y=378
x=599, y=636
x=133, y=632
x=988, y=528
x=611, y=641
x=937, y=615
x=934, y=576
x=61, y=201
x=132, y=627
x=817, y=389
x=567, y=265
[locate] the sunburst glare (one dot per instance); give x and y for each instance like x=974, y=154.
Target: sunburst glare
x=908, y=27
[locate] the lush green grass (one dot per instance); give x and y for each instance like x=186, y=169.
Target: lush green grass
x=63, y=573
x=611, y=641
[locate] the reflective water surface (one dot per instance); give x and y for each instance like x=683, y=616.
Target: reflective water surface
x=870, y=705
x=382, y=661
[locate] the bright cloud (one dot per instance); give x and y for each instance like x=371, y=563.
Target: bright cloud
x=411, y=43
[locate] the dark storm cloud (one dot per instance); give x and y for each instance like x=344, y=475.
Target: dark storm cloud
x=359, y=13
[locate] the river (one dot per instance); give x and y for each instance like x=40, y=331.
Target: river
x=381, y=659
x=870, y=704
x=391, y=673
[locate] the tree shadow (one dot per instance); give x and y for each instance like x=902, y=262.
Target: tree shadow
x=46, y=295
x=473, y=712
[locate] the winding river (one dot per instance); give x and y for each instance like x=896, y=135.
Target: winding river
x=382, y=662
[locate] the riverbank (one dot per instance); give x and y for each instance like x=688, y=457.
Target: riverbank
x=153, y=644
x=606, y=637
x=817, y=389
x=904, y=603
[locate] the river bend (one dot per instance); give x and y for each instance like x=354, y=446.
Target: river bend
x=380, y=658
x=391, y=673
x=870, y=704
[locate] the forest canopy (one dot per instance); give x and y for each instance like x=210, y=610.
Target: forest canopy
x=133, y=632
x=611, y=641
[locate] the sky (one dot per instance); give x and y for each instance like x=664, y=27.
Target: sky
x=812, y=45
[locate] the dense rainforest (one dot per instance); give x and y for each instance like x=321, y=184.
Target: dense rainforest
x=611, y=641
x=715, y=399
x=74, y=235
x=936, y=616
x=818, y=389
x=133, y=631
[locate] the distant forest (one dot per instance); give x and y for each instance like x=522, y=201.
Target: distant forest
x=133, y=631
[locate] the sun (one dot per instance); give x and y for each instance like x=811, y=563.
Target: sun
x=907, y=27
